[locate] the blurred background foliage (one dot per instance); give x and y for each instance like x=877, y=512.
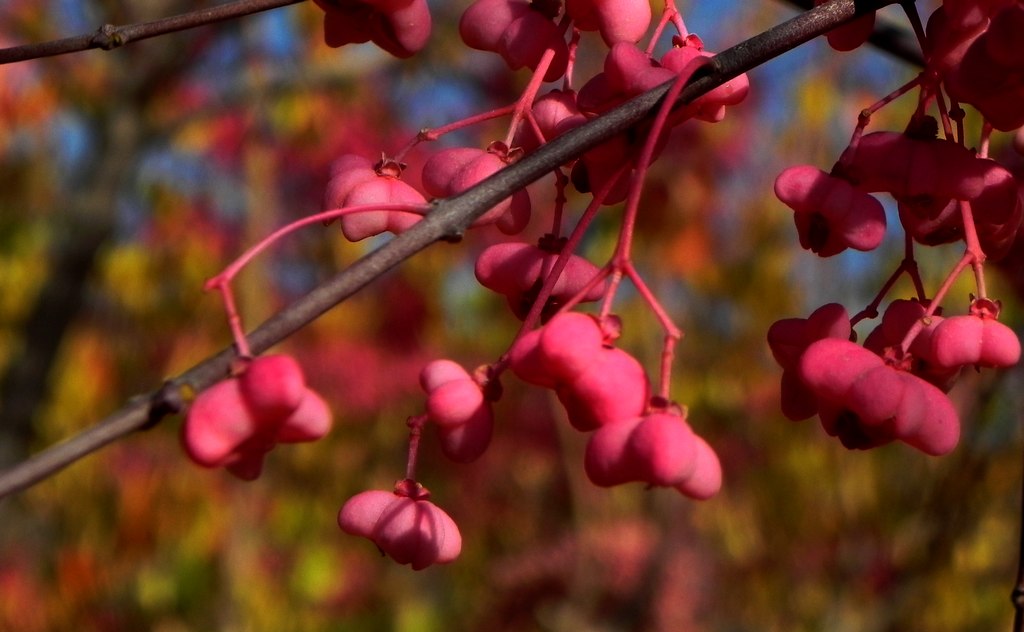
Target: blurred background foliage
x=129, y=177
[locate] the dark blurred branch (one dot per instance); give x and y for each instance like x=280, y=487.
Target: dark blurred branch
x=110, y=36
x=450, y=217
x=895, y=40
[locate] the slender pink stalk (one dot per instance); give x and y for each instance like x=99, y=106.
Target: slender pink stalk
x=433, y=134
x=908, y=265
x=574, y=44
x=672, y=332
x=233, y=268
x=234, y=320
x=571, y=244
x=525, y=101
x=415, y=424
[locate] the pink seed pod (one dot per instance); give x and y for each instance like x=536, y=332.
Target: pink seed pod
x=830, y=366
x=614, y=387
x=518, y=31
x=706, y=479
x=309, y=422
x=867, y=403
x=356, y=181
x=411, y=531
x=452, y=171
x=658, y=449
x=441, y=372
x=455, y=403
x=555, y=112
x=831, y=215
x=602, y=164
x=273, y=386
x=998, y=210
x=918, y=169
x=630, y=71
x=247, y=464
x=400, y=27
x=569, y=345
x=974, y=340
x=681, y=59
x=899, y=317
x=466, y=442
x=990, y=74
x=517, y=270
x=453, y=396
x=789, y=338
x=904, y=407
x=528, y=364
x=234, y=423
x=617, y=20
x=217, y=423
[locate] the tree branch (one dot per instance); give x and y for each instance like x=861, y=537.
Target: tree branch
x=110, y=36
x=450, y=217
x=897, y=41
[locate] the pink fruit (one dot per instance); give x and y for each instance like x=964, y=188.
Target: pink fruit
x=411, y=531
x=400, y=27
x=466, y=442
x=234, y=423
x=659, y=449
x=309, y=422
x=617, y=20
x=517, y=270
x=218, y=422
x=706, y=479
x=569, y=345
x=612, y=388
x=974, y=340
x=518, y=30
x=866, y=402
x=685, y=57
x=452, y=171
x=356, y=181
x=272, y=386
x=456, y=403
x=831, y=215
x=528, y=364
x=788, y=338
x=555, y=112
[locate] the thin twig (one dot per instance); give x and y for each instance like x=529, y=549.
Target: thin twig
x=109, y=36
x=893, y=39
x=447, y=221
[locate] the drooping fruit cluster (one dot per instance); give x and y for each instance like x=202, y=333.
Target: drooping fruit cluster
x=236, y=422
x=517, y=270
x=894, y=386
x=605, y=390
x=401, y=27
x=404, y=525
x=458, y=404
x=638, y=434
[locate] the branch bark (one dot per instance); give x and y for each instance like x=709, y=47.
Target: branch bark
x=109, y=36
x=446, y=222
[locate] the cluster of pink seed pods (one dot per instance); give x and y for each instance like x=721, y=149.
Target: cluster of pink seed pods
x=237, y=421
x=893, y=388
x=605, y=390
